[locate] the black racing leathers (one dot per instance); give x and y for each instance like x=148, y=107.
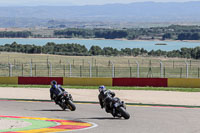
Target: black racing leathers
x=105, y=99
x=55, y=92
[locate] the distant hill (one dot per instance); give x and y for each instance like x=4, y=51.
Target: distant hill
x=134, y=12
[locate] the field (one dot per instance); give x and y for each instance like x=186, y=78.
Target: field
x=19, y=64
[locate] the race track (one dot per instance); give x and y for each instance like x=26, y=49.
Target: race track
x=143, y=119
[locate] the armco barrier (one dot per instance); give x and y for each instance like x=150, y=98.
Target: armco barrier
x=87, y=81
x=184, y=82
x=39, y=80
x=154, y=82
x=8, y=80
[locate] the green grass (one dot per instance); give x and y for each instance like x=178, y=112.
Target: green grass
x=112, y=88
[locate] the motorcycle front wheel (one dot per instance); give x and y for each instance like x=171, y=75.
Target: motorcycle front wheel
x=71, y=105
x=124, y=113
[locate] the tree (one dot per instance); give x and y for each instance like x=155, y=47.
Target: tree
x=95, y=50
x=126, y=51
x=166, y=36
x=136, y=51
x=195, y=53
x=186, y=52
x=110, y=51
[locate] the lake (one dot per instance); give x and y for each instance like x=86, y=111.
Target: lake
x=147, y=45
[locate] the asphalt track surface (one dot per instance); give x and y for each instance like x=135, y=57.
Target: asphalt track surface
x=143, y=119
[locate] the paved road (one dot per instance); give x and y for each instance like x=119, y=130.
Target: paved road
x=143, y=119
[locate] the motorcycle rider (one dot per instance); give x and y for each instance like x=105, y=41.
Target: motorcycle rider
x=56, y=91
x=106, y=98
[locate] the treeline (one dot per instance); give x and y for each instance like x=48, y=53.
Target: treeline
x=49, y=48
x=16, y=34
x=91, y=33
x=81, y=50
x=174, y=32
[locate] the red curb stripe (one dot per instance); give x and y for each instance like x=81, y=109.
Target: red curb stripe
x=10, y=116
x=10, y=132
x=65, y=121
x=69, y=127
x=59, y=120
x=51, y=129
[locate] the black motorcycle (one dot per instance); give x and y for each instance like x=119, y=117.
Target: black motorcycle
x=66, y=101
x=117, y=108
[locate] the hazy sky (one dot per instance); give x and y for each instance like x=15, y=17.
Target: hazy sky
x=74, y=2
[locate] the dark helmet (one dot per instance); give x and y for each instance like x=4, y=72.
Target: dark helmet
x=102, y=88
x=53, y=83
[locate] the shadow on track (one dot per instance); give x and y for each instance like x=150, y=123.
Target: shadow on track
x=102, y=118
x=50, y=110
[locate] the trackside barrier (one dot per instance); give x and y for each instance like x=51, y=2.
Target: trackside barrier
x=87, y=81
x=8, y=80
x=154, y=82
x=39, y=80
x=184, y=82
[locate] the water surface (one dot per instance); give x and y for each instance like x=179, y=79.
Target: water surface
x=147, y=45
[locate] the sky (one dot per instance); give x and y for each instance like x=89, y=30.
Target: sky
x=74, y=2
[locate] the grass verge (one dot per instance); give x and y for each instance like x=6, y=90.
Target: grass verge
x=112, y=88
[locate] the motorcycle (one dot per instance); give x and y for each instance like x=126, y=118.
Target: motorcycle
x=117, y=108
x=66, y=101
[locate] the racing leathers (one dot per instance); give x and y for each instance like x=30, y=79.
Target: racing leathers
x=105, y=99
x=55, y=93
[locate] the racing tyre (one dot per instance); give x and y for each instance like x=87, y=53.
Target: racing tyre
x=124, y=113
x=71, y=105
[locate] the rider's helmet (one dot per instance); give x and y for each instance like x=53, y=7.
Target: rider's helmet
x=102, y=88
x=53, y=84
